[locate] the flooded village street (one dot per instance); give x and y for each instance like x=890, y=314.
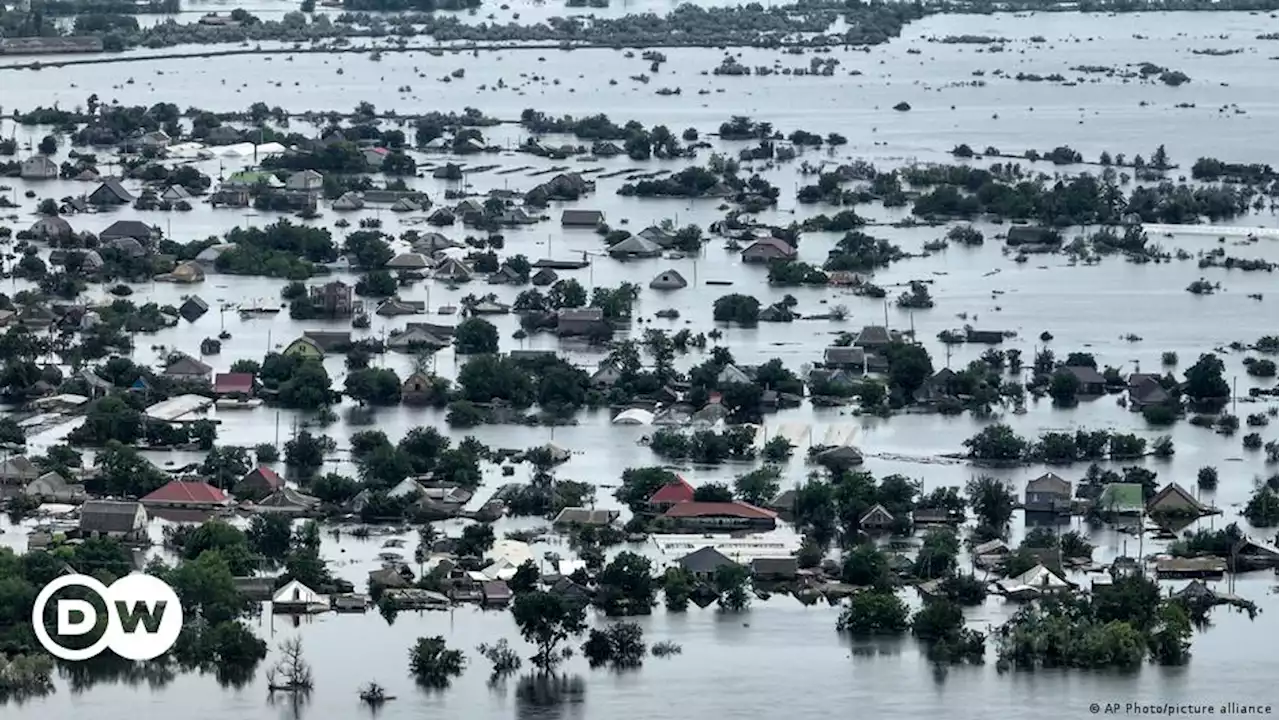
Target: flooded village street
x=782, y=656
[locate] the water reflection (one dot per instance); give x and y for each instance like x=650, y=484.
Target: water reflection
x=112, y=669
x=545, y=696
x=291, y=704
x=876, y=647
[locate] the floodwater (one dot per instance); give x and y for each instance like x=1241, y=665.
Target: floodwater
x=781, y=652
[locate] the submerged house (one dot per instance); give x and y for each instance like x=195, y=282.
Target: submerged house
x=1032, y=235
x=1121, y=499
x=287, y=501
x=261, y=480
x=1091, y=381
x=1173, y=499
x=1036, y=582
x=581, y=516
x=184, y=367
x=233, y=384
x=1146, y=390
x=416, y=389
x=581, y=218
x=110, y=192
x=53, y=487
x=585, y=321
x=188, y=495
x=304, y=347
x=703, y=563
x=767, y=250
x=779, y=569
x=38, y=167
x=845, y=358
x=877, y=518
x=673, y=493
x=1048, y=493
x=125, y=521
x=635, y=247
x=296, y=598
x=694, y=516
x=668, y=280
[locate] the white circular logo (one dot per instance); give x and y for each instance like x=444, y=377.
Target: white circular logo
x=144, y=617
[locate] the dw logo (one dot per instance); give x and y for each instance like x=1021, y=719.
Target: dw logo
x=144, y=617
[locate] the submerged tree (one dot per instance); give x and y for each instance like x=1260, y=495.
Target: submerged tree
x=620, y=645
x=25, y=676
x=292, y=673
x=731, y=582
x=991, y=500
x=504, y=658
x=547, y=620
x=433, y=664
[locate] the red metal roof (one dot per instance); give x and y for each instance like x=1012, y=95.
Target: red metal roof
x=673, y=492
x=233, y=383
x=267, y=474
x=707, y=509
x=192, y=493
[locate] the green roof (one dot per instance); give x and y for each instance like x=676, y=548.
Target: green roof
x=1121, y=498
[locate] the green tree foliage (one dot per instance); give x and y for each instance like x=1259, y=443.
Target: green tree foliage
x=937, y=556
x=732, y=582
x=476, y=540
x=713, y=492
x=677, y=586
x=991, y=501
x=547, y=620
x=937, y=620
x=122, y=472
x=225, y=465
x=305, y=453
x=737, y=308
x=996, y=442
x=626, y=586
x=759, y=486
x=1205, y=384
x=526, y=577
x=433, y=664
x=206, y=588
x=909, y=367
x=873, y=612
x=475, y=336
x=269, y=535
x=227, y=539
x=620, y=645
x=639, y=484
x=865, y=566
x=1263, y=508
x=374, y=386
x=1063, y=387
